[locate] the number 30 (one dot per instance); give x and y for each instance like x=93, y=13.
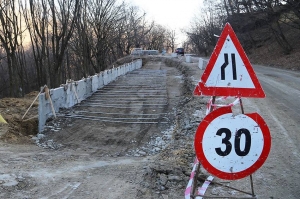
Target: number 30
x=237, y=142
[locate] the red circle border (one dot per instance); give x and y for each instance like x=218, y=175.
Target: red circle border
x=221, y=174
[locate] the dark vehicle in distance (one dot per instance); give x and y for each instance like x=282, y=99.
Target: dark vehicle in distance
x=179, y=51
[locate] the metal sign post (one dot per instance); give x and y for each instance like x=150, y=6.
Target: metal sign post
x=228, y=146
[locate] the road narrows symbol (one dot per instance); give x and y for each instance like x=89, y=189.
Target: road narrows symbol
x=224, y=66
x=233, y=66
x=233, y=63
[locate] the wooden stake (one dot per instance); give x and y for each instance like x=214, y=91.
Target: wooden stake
x=32, y=103
x=47, y=93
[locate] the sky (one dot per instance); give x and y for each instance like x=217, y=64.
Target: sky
x=174, y=14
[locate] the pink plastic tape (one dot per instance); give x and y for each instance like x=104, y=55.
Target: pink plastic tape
x=187, y=193
x=210, y=104
x=203, y=188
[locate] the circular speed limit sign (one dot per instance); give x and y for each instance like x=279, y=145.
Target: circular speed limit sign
x=232, y=147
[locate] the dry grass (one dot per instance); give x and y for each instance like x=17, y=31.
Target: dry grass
x=271, y=54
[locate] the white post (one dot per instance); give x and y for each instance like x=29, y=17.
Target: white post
x=200, y=65
x=188, y=58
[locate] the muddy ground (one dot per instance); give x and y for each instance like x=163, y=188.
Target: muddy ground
x=136, y=143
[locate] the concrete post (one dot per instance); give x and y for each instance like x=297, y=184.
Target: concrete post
x=188, y=59
x=200, y=65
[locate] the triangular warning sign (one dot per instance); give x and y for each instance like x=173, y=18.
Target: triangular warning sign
x=229, y=72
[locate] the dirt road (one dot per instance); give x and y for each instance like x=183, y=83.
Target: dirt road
x=280, y=109
x=134, y=139
x=102, y=147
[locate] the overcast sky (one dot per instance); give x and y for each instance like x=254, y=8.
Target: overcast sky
x=174, y=14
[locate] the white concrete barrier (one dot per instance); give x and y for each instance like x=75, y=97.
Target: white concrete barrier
x=188, y=58
x=139, y=51
x=202, y=63
x=150, y=52
x=174, y=55
x=74, y=92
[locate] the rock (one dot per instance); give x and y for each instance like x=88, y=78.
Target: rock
x=40, y=136
x=163, y=179
x=162, y=188
x=188, y=127
x=165, y=196
x=197, y=113
x=215, y=191
x=145, y=185
x=168, y=136
x=158, y=141
x=142, y=153
x=21, y=185
x=174, y=178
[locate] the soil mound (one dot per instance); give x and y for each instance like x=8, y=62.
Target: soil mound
x=18, y=130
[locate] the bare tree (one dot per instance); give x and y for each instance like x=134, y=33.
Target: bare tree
x=273, y=11
x=51, y=24
x=10, y=38
x=63, y=18
x=103, y=15
x=203, y=28
x=38, y=25
x=291, y=16
x=171, y=40
x=156, y=38
x=69, y=39
x=132, y=30
x=81, y=44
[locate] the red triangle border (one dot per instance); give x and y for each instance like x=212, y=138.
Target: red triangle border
x=201, y=89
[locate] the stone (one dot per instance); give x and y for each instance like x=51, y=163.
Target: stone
x=215, y=191
x=165, y=196
x=174, y=178
x=142, y=153
x=163, y=179
x=40, y=136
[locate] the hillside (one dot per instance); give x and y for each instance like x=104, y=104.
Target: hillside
x=266, y=39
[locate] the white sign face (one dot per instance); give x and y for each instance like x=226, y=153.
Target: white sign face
x=232, y=147
x=236, y=146
x=229, y=69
